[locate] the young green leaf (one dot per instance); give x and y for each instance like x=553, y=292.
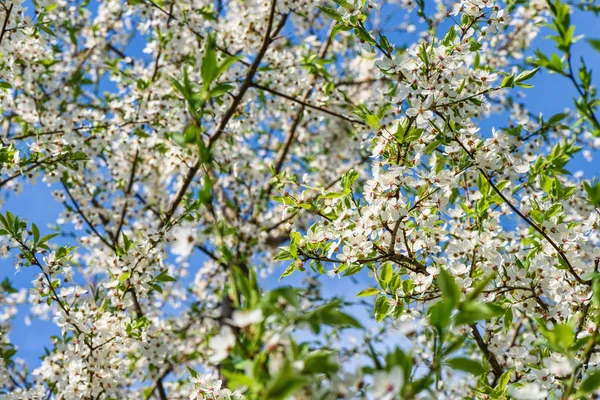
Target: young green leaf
x=331, y=13
x=448, y=286
x=468, y=365
x=368, y=292
x=208, y=69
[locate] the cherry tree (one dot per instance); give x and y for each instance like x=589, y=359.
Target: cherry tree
x=200, y=148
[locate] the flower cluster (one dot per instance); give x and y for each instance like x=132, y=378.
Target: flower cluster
x=194, y=145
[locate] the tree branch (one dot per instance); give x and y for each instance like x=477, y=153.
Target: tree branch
x=496, y=368
x=303, y=102
x=227, y=116
x=6, y=19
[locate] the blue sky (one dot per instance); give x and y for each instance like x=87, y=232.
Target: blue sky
x=551, y=94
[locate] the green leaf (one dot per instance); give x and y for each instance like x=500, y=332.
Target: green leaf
x=339, y=28
x=595, y=43
x=448, y=286
x=563, y=335
x=288, y=271
x=331, y=13
x=236, y=380
x=524, y=85
x=180, y=88
x=79, y=156
x=343, y=3
x=508, y=319
x=329, y=314
x=47, y=237
x=349, y=178
x=474, y=46
x=285, y=384
x=36, y=233
x=480, y=287
x=413, y=135
x=384, y=42
x=320, y=362
x=398, y=358
x=449, y=37
x=205, y=191
x=46, y=29
x=163, y=277
x=555, y=64
x=288, y=293
x=508, y=82
x=439, y=314
x=483, y=184
x=526, y=75
x=228, y=62
x=178, y=138
x=208, y=69
x=466, y=364
x=385, y=273
x=354, y=268
x=334, y=195
x=7, y=286
x=363, y=35
x=553, y=210
x=382, y=308
x=193, y=372
x=556, y=118
x=455, y=345
x=283, y=254
x=368, y=292
x=341, y=319
x=592, y=189
x=204, y=152
x=287, y=200
x=502, y=383
x=474, y=311
x=596, y=289
x=591, y=383
x=191, y=134
x=220, y=90
x=372, y=120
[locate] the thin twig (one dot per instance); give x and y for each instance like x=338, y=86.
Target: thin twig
x=127, y=194
x=87, y=221
x=305, y=104
x=4, y=25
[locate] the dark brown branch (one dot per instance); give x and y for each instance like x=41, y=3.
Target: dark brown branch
x=583, y=93
x=226, y=117
x=519, y=213
x=536, y=227
x=496, y=368
x=77, y=129
x=249, y=78
x=127, y=194
x=399, y=221
x=305, y=104
x=397, y=258
x=36, y=164
x=87, y=221
x=6, y=19
x=291, y=136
